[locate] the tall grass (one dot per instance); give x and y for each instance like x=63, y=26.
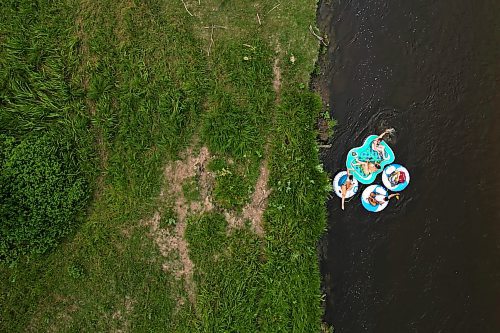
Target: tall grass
x=128, y=85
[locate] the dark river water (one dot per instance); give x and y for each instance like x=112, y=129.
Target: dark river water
x=429, y=262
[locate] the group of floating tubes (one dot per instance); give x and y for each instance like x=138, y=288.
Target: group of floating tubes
x=395, y=177
x=365, y=153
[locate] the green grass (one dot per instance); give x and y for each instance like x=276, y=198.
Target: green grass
x=130, y=84
x=228, y=276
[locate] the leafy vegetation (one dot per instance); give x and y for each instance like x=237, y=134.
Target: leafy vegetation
x=41, y=192
x=95, y=99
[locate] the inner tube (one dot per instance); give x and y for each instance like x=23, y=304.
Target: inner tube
x=380, y=192
x=339, y=180
x=365, y=153
x=395, y=177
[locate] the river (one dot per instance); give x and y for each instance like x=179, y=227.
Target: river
x=429, y=262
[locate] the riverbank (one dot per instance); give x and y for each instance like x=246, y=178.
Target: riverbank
x=194, y=128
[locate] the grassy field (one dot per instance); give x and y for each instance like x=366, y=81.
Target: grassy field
x=190, y=131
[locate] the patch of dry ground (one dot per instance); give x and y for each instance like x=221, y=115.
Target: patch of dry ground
x=254, y=210
x=122, y=314
x=171, y=242
x=277, y=74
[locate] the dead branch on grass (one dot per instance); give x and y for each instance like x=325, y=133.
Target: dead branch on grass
x=273, y=8
x=212, y=27
x=187, y=10
x=250, y=46
x=321, y=39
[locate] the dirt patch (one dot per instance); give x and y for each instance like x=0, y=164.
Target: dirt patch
x=173, y=240
x=277, y=73
x=122, y=314
x=254, y=210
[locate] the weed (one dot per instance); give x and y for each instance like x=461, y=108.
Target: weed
x=168, y=218
x=76, y=271
x=191, y=189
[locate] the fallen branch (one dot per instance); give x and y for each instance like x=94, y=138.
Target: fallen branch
x=258, y=19
x=321, y=39
x=212, y=27
x=215, y=26
x=273, y=8
x=250, y=46
x=324, y=146
x=211, y=41
x=187, y=10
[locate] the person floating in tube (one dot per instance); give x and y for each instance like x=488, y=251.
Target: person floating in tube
x=368, y=167
x=376, y=144
x=397, y=177
x=346, y=187
x=376, y=199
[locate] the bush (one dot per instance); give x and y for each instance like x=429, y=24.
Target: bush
x=40, y=193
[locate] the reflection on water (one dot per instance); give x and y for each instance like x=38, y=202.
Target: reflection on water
x=431, y=261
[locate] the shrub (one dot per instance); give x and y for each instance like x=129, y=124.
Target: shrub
x=40, y=193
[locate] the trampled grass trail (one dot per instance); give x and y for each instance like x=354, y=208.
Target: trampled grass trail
x=193, y=125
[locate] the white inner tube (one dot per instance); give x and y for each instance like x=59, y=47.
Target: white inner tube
x=339, y=180
x=380, y=193
x=391, y=177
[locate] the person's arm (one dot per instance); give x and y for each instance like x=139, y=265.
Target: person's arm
x=387, y=131
x=383, y=134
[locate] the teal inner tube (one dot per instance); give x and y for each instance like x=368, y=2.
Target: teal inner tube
x=365, y=153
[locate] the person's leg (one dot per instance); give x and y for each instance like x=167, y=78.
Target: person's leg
x=343, y=189
x=392, y=196
x=366, y=169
